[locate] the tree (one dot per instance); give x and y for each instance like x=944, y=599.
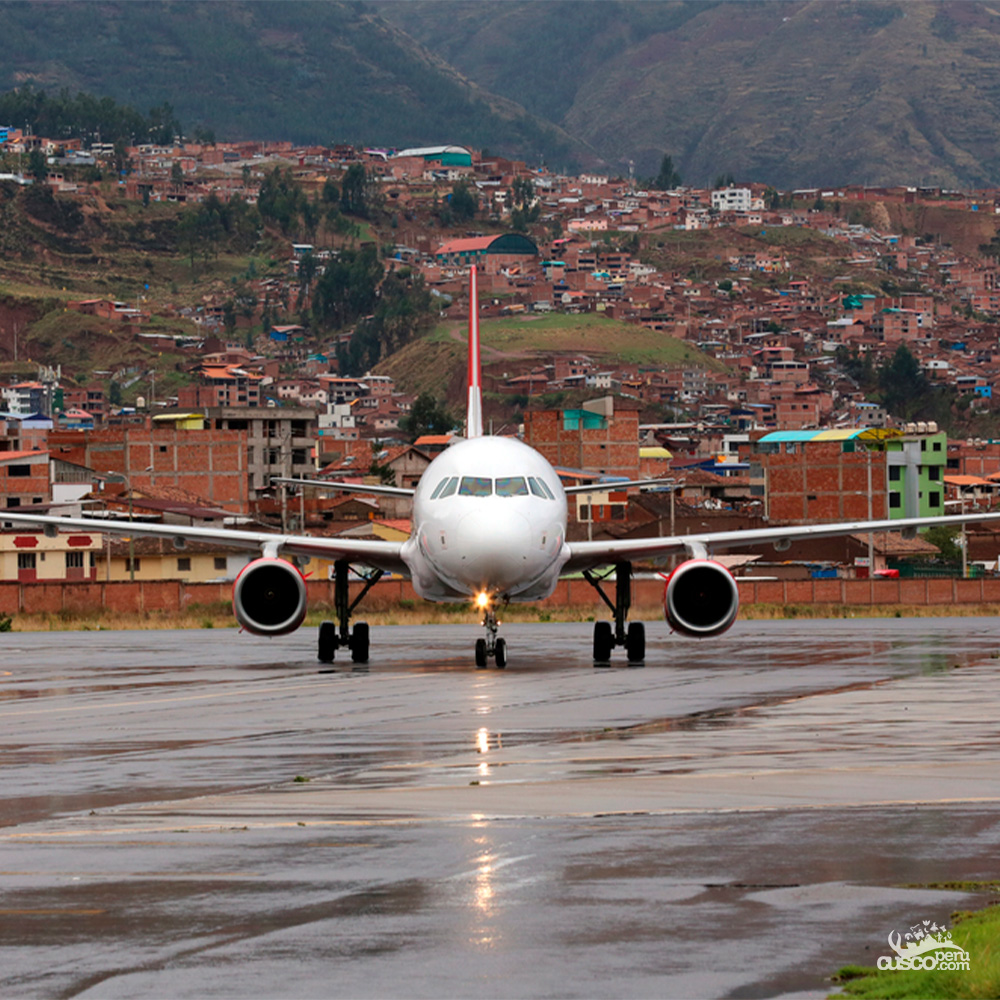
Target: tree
x=667, y=178
x=427, y=416
x=37, y=166
x=359, y=193
x=163, y=125
x=177, y=175
x=904, y=385
x=464, y=204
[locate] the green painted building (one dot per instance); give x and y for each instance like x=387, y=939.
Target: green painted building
x=915, y=470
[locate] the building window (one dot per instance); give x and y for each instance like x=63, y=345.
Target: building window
x=74, y=560
x=936, y=446
x=26, y=560
x=220, y=562
x=895, y=501
x=894, y=473
x=19, y=470
x=934, y=473
x=184, y=564
x=934, y=499
x=13, y=501
x=133, y=565
x=791, y=448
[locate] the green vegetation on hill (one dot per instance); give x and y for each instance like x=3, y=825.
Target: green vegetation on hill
x=587, y=333
x=305, y=72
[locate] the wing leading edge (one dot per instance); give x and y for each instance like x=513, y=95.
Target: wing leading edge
x=372, y=552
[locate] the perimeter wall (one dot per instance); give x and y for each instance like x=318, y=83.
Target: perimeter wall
x=175, y=595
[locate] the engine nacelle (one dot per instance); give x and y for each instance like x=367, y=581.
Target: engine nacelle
x=701, y=598
x=269, y=597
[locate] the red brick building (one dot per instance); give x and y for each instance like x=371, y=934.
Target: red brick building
x=601, y=437
x=211, y=463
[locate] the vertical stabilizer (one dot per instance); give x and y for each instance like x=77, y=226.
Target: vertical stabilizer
x=474, y=413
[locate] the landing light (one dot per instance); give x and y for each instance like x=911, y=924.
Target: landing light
x=482, y=599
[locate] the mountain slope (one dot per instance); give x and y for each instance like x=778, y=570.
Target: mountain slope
x=309, y=72
x=793, y=92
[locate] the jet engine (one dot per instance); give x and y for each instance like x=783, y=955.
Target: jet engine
x=701, y=598
x=269, y=597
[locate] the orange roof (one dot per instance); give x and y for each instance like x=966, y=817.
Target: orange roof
x=6, y=456
x=968, y=481
x=399, y=523
x=466, y=245
x=433, y=439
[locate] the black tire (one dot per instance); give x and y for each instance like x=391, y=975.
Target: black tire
x=604, y=642
x=500, y=654
x=480, y=654
x=635, y=643
x=359, y=643
x=327, y=642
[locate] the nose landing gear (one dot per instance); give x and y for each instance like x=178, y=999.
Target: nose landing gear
x=492, y=645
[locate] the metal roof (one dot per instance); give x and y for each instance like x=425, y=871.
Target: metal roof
x=829, y=434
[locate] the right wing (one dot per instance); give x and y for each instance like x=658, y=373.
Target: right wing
x=622, y=484
x=371, y=552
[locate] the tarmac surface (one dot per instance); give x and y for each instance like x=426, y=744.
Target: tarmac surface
x=206, y=814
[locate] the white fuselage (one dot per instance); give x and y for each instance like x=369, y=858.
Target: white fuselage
x=489, y=517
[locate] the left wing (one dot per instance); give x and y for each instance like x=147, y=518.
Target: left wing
x=333, y=484
x=380, y=554
x=586, y=555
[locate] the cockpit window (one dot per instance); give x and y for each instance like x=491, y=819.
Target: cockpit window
x=437, y=489
x=512, y=486
x=475, y=486
x=540, y=488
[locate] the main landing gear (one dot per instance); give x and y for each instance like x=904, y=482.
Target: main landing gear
x=492, y=645
x=339, y=634
x=606, y=638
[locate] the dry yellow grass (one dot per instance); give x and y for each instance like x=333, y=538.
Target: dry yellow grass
x=424, y=613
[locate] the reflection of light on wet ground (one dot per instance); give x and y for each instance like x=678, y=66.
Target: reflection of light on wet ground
x=483, y=741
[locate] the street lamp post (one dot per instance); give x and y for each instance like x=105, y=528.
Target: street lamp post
x=131, y=538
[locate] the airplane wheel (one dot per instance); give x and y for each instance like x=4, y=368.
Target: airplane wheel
x=359, y=643
x=604, y=641
x=327, y=642
x=635, y=643
x=500, y=653
x=480, y=653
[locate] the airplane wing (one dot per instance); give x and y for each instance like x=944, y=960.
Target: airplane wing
x=334, y=484
x=586, y=555
x=623, y=484
x=378, y=553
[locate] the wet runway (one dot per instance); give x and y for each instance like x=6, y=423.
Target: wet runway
x=205, y=814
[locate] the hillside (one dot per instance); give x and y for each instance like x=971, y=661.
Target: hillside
x=307, y=72
x=794, y=93
x=436, y=363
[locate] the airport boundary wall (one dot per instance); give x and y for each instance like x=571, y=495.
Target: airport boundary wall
x=176, y=595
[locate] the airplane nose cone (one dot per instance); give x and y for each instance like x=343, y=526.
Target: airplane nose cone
x=494, y=551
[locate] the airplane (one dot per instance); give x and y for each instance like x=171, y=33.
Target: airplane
x=489, y=527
